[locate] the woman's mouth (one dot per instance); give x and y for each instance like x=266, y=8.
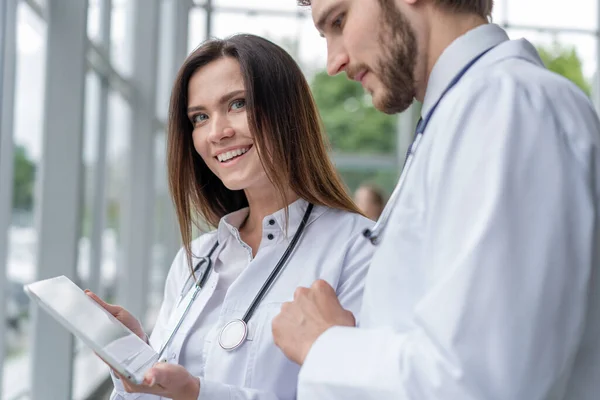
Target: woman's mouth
x=229, y=156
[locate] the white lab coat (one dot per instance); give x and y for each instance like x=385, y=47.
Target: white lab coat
x=330, y=249
x=487, y=283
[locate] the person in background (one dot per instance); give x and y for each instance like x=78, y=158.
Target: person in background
x=246, y=154
x=370, y=200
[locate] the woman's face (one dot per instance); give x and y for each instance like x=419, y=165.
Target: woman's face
x=217, y=110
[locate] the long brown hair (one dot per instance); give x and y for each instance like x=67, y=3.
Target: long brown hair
x=285, y=125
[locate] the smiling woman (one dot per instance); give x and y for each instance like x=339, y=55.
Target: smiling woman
x=247, y=155
x=233, y=95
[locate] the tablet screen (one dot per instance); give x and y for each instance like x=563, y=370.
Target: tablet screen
x=95, y=326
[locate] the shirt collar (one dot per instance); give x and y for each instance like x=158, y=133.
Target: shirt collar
x=274, y=223
x=230, y=224
x=456, y=56
x=296, y=213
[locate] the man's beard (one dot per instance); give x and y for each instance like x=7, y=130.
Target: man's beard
x=397, y=65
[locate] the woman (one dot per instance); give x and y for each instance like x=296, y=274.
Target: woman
x=246, y=154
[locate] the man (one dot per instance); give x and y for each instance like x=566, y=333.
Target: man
x=486, y=280
x=369, y=200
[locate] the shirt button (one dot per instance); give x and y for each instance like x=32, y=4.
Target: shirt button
x=271, y=222
x=270, y=236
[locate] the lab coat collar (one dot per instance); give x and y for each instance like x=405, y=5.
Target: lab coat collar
x=296, y=214
x=460, y=52
x=229, y=224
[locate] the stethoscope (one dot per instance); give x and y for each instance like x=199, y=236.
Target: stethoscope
x=235, y=332
x=375, y=234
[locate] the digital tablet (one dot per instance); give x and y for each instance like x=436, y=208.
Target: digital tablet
x=119, y=347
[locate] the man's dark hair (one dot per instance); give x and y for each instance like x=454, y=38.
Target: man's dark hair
x=479, y=7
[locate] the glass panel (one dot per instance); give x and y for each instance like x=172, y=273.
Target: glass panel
x=577, y=53
x=89, y=371
x=381, y=181
x=297, y=35
x=117, y=164
x=93, y=22
x=580, y=14
x=22, y=235
x=385, y=178
x=196, y=28
x=41, y=3
x=257, y=4
x=351, y=122
x=290, y=32
x=120, y=36
x=90, y=149
x=161, y=261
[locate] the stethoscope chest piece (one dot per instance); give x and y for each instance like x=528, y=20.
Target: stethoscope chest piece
x=233, y=334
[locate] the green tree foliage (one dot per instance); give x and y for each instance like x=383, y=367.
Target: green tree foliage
x=351, y=122
x=24, y=180
x=353, y=125
x=565, y=61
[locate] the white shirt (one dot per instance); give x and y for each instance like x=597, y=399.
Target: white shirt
x=486, y=284
x=331, y=248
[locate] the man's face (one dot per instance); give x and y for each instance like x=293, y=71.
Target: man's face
x=374, y=43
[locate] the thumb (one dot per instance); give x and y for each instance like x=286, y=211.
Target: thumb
x=108, y=307
x=157, y=375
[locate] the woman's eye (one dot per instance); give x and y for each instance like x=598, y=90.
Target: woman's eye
x=337, y=22
x=199, y=118
x=237, y=104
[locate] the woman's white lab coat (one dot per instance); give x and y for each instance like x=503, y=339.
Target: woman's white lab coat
x=332, y=248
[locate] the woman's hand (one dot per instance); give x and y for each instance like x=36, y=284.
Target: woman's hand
x=166, y=380
x=121, y=314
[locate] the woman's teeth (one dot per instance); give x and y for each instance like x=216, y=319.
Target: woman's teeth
x=231, y=154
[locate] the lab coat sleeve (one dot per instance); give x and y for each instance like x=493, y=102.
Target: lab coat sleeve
x=119, y=392
x=507, y=261
x=172, y=289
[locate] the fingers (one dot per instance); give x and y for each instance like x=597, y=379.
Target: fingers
x=301, y=292
x=109, y=307
x=158, y=375
x=164, y=375
x=321, y=286
x=154, y=375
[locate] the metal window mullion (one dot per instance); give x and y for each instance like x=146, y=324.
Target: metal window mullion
x=99, y=178
x=8, y=55
x=139, y=197
x=58, y=206
x=596, y=87
x=175, y=47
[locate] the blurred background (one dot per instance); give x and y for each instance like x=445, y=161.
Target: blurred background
x=84, y=88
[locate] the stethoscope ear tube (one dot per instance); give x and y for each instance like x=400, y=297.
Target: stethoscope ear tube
x=280, y=264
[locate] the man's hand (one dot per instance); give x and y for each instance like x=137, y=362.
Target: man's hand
x=301, y=322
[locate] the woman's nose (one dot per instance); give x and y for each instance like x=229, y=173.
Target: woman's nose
x=221, y=130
